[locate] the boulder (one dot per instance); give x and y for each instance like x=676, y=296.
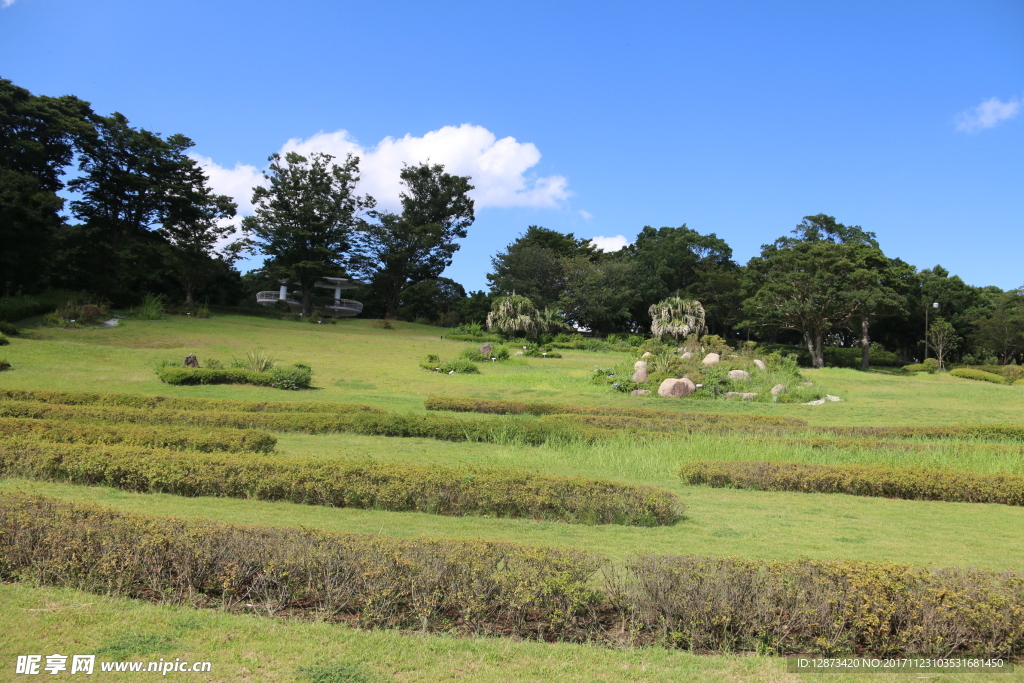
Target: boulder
x=819, y=402
x=739, y=375
x=191, y=361
x=711, y=359
x=676, y=388
x=779, y=389
x=640, y=376
x=647, y=354
x=639, y=364
x=743, y=395
x=486, y=350
x=830, y=397
x=760, y=364
x=640, y=392
x=687, y=355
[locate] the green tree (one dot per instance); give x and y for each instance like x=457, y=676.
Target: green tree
x=305, y=217
x=1002, y=330
x=669, y=261
x=677, y=317
x=513, y=314
x=809, y=282
x=942, y=339
x=193, y=223
x=437, y=301
x=532, y=265
x=38, y=139
x=397, y=251
x=598, y=295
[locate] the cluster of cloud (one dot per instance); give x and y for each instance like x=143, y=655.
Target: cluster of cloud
x=6, y=3
x=499, y=168
x=610, y=243
x=988, y=114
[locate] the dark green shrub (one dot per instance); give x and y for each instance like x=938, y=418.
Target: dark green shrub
x=186, y=376
x=4, y=341
x=403, y=487
x=78, y=313
x=205, y=440
x=981, y=375
x=8, y=329
x=4, y=364
x=291, y=377
x=14, y=308
x=859, y=480
x=451, y=367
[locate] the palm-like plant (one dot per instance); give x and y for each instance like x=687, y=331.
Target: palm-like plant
x=550, y=320
x=512, y=314
x=677, y=317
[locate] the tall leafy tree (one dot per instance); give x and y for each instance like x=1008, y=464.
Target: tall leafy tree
x=1002, y=331
x=38, y=139
x=305, y=217
x=811, y=282
x=532, y=265
x=397, y=251
x=194, y=223
x=598, y=295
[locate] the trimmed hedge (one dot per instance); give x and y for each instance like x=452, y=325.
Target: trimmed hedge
x=180, y=403
x=859, y=480
x=970, y=373
x=501, y=407
x=371, y=422
x=284, y=377
x=1002, y=432
x=180, y=438
x=827, y=607
x=402, y=487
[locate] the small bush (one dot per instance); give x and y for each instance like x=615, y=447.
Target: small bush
x=76, y=313
x=293, y=377
x=151, y=308
x=498, y=353
x=383, y=324
x=185, y=376
x=4, y=341
x=407, y=487
x=917, y=367
x=13, y=308
x=981, y=375
x=256, y=360
x=859, y=480
x=452, y=367
x=4, y=364
x=8, y=329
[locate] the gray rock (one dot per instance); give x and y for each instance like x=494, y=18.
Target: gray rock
x=640, y=376
x=687, y=355
x=819, y=402
x=639, y=364
x=676, y=388
x=760, y=364
x=779, y=389
x=739, y=375
x=830, y=397
x=110, y=323
x=711, y=359
x=486, y=350
x=647, y=354
x=191, y=361
x=744, y=395
x=640, y=392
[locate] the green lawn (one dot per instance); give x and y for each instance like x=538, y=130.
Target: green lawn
x=355, y=362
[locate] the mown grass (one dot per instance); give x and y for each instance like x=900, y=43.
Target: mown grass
x=354, y=362
x=246, y=648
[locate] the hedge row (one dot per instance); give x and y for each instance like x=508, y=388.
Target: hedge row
x=180, y=438
x=281, y=377
x=859, y=480
x=179, y=403
x=971, y=373
x=1006, y=432
x=372, y=423
x=478, y=587
x=402, y=487
x=501, y=407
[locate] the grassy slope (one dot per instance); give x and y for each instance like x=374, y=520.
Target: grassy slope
x=354, y=362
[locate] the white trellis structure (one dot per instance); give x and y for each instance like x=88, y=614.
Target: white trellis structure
x=340, y=308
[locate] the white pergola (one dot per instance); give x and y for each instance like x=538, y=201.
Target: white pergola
x=341, y=308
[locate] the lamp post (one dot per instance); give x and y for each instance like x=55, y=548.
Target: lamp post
x=934, y=305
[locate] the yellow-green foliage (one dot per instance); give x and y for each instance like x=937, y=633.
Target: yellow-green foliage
x=981, y=375
x=500, y=407
x=358, y=420
x=82, y=398
x=829, y=607
x=1006, y=432
x=181, y=438
x=340, y=483
x=859, y=480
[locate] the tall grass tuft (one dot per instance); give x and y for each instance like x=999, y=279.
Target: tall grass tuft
x=256, y=360
x=151, y=308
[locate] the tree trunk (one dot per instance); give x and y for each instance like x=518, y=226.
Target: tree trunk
x=814, y=346
x=307, y=301
x=865, y=344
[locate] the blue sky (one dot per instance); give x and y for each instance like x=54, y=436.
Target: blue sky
x=737, y=118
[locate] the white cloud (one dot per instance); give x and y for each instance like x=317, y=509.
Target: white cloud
x=7, y=3
x=988, y=114
x=499, y=168
x=586, y=215
x=610, y=243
